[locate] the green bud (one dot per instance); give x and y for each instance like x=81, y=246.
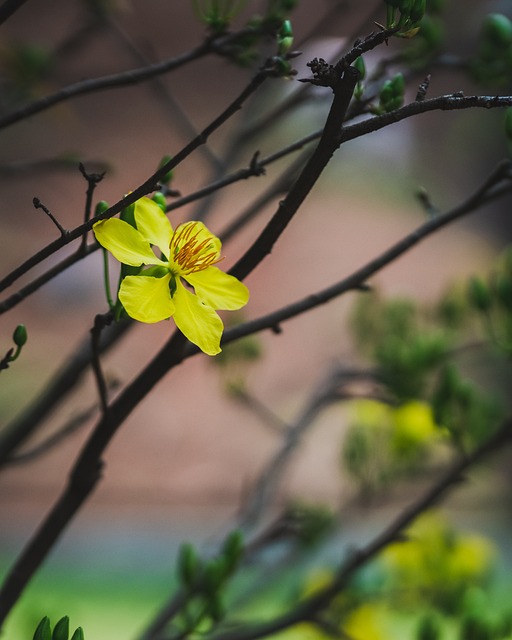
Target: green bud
x=285, y=38
x=479, y=294
x=428, y=628
x=100, y=208
x=20, y=336
x=232, y=549
x=215, y=573
x=61, y=629
x=417, y=10
x=361, y=67
x=43, y=631
x=503, y=288
x=497, y=30
x=282, y=68
x=167, y=177
x=189, y=564
x=159, y=198
x=78, y=635
x=216, y=608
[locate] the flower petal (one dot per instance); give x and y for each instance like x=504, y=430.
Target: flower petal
x=147, y=299
x=198, y=322
x=153, y=224
x=218, y=289
x=124, y=242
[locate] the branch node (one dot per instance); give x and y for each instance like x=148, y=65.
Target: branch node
x=39, y=205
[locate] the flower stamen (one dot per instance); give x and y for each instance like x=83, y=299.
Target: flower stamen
x=191, y=254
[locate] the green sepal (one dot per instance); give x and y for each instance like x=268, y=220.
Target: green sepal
x=61, y=629
x=43, y=631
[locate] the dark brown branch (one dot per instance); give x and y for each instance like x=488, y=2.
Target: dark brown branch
x=16, y=433
x=145, y=188
x=327, y=145
x=116, y=80
x=8, y=8
x=86, y=471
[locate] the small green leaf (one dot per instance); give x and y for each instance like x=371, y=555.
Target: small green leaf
x=43, y=631
x=78, y=635
x=61, y=630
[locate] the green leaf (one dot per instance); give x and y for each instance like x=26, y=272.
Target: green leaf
x=61, y=630
x=43, y=631
x=78, y=635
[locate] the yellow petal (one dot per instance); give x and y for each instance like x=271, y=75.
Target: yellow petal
x=146, y=299
x=124, y=242
x=218, y=289
x=153, y=224
x=198, y=322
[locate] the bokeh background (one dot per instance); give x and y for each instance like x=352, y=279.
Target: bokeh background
x=184, y=460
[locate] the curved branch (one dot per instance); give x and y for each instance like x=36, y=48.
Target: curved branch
x=146, y=187
x=86, y=471
x=116, y=80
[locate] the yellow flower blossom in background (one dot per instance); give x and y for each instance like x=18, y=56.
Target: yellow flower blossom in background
x=189, y=254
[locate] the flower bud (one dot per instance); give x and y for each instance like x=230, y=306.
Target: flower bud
x=159, y=198
x=167, y=177
x=78, y=635
x=20, y=336
x=285, y=38
x=497, y=29
x=100, y=208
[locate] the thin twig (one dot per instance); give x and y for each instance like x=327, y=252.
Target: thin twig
x=146, y=187
x=39, y=205
x=87, y=469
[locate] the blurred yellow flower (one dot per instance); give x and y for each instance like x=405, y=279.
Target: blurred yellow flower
x=189, y=253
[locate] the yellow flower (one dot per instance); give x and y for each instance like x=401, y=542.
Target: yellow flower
x=189, y=253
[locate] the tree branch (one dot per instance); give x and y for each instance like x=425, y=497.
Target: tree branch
x=310, y=607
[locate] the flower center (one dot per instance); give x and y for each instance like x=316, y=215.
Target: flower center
x=189, y=252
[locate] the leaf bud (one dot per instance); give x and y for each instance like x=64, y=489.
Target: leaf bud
x=189, y=564
x=285, y=38
x=479, y=294
x=497, y=30
x=78, y=635
x=232, y=549
x=100, y=208
x=159, y=198
x=20, y=336
x=167, y=177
